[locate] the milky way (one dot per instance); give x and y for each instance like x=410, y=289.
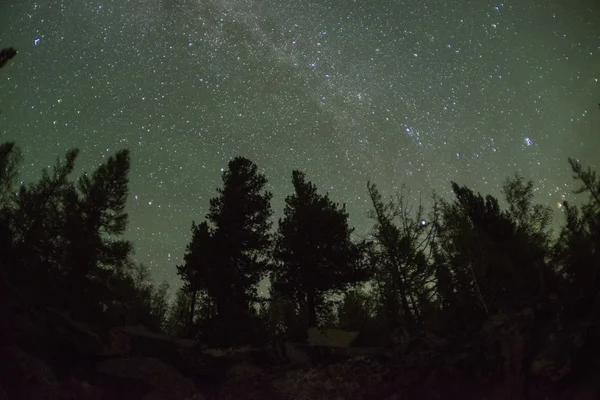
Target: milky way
x=397, y=92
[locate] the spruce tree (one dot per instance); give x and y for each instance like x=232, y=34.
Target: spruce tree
x=228, y=254
x=313, y=249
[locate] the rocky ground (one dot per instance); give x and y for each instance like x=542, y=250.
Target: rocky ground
x=528, y=354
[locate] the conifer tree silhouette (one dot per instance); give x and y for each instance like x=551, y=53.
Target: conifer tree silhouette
x=314, y=251
x=228, y=254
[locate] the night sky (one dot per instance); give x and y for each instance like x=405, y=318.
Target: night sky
x=419, y=92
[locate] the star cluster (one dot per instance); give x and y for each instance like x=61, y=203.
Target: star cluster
x=397, y=92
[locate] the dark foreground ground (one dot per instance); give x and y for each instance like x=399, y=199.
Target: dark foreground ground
x=528, y=354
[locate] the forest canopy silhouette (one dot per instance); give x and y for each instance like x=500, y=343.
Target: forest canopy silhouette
x=62, y=245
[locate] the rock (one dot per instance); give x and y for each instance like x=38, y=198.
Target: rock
x=154, y=373
x=137, y=341
x=189, y=349
x=72, y=334
x=17, y=325
x=44, y=332
x=331, y=337
x=76, y=389
x=25, y=377
x=229, y=351
x=119, y=343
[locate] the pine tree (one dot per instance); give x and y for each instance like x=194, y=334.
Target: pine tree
x=65, y=242
x=241, y=219
x=94, y=221
x=37, y=226
x=314, y=251
x=228, y=254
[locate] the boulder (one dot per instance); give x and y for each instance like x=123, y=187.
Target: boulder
x=138, y=341
x=19, y=322
x=152, y=372
x=23, y=376
x=119, y=342
x=186, y=356
x=45, y=332
x=75, y=336
x=76, y=389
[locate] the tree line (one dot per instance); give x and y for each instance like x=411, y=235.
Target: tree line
x=448, y=269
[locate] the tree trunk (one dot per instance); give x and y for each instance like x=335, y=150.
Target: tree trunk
x=312, y=308
x=478, y=289
x=416, y=312
x=401, y=281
